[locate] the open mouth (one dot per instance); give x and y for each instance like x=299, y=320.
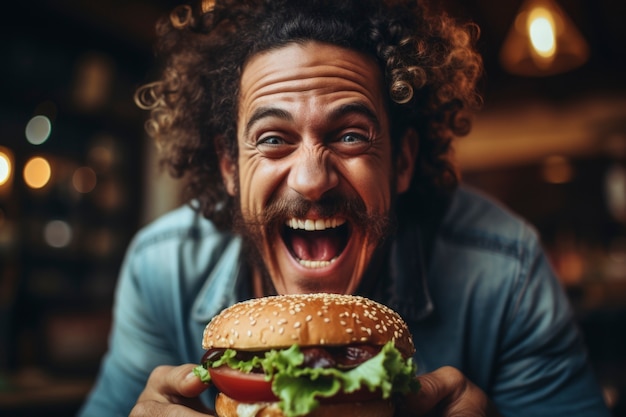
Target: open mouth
x=316, y=243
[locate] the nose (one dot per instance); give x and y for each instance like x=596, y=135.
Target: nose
x=313, y=173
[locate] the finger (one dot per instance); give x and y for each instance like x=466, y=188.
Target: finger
x=447, y=391
x=174, y=381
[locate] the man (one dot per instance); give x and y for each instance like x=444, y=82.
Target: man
x=315, y=137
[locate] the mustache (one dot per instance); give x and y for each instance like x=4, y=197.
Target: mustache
x=328, y=206
x=353, y=208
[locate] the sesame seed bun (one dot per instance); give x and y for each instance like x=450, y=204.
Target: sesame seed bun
x=307, y=320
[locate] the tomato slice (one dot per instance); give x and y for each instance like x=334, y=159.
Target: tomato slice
x=252, y=387
x=245, y=387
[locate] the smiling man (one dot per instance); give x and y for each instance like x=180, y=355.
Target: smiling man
x=314, y=137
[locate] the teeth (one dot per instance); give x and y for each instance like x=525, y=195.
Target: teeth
x=318, y=224
x=311, y=225
x=315, y=264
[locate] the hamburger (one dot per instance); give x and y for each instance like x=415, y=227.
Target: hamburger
x=308, y=355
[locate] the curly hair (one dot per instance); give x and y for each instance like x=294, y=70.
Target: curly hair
x=428, y=60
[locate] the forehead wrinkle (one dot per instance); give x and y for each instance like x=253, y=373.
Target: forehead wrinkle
x=312, y=74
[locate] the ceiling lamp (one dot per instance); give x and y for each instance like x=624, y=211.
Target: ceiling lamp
x=542, y=41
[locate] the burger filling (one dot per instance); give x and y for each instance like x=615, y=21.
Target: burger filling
x=341, y=357
x=300, y=378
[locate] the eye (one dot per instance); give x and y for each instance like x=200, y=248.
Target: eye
x=352, y=143
x=273, y=146
x=353, y=138
x=271, y=141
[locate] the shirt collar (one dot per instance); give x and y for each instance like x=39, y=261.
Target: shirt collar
x=220, y=289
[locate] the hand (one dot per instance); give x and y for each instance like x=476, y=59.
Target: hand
x=171, y=391
x=447, y=393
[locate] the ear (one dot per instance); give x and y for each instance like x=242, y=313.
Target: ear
x=405, y=162
x=228, y=168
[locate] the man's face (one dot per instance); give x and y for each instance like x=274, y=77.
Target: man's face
x=315, y=179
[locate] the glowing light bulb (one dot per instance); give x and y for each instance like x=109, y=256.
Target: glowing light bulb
x=542, y=32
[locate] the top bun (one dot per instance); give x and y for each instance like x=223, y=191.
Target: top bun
x=307, y=320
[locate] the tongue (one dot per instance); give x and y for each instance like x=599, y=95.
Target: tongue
x=315, y=246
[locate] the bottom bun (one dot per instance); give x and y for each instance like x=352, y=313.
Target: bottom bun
x=228, y=407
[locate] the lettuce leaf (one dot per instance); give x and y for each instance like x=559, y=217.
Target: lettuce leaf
x=298, y=389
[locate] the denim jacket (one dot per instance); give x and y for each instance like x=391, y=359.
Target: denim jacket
x=487, y=303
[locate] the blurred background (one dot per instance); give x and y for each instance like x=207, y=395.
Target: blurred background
x=78, y=176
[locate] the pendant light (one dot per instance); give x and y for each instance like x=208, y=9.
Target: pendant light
x=542, y=41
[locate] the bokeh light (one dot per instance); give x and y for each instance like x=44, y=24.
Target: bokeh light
x=5, y=167
x=84, y=179
x=102, y=153
x=557, y=169
x=37, y=172
x=57, y=233
x=101, y=157
x=38, y=130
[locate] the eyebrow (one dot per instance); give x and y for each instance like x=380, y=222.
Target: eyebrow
x=264, y=112
x=336, y=114
x=358, y=108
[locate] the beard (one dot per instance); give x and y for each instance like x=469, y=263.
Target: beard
x=255, y=231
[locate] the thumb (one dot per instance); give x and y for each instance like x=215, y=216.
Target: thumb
x=190, y=384
x=174, y=381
